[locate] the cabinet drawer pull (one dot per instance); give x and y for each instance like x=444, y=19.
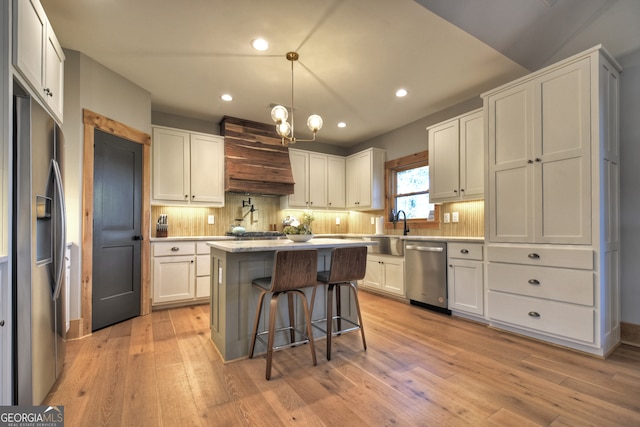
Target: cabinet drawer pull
x=534, y=314
x=175, y=249
x=534, y=282
x=464, y=251
x=534, y=256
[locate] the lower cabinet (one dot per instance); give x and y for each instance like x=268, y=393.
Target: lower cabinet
x=546, y=291
x=465, y=278
x=180, y=272
x=385, y=273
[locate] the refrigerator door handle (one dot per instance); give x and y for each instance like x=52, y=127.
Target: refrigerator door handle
x=59, y=266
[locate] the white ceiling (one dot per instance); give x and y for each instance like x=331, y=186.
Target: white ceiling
x=354, y=54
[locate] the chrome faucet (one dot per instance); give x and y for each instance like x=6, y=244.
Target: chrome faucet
x=404, y=215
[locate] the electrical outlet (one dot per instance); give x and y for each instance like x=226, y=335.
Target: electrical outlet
x=454, y=217
x=337, y=220
x=446, y=217
x=211, y=219
x=373, y=220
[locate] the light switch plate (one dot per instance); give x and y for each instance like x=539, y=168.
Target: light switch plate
x=373, y=220
x=446, y=217
x=337, y=220
x=212, y=219
x=454, y=217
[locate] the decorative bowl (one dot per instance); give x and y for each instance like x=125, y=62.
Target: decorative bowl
x=299, y=237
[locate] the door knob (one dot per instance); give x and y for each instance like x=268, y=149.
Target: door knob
x=138, y=237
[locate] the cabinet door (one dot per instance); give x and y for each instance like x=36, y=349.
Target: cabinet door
x=562, y=172
x=374, y=275
x=203, y=287
x=466, y=290
x=29, y=41
x=54, y=74
x=353, y=182
x=173, y=279
x=336, y=182
x=472, y=156
x=393, y=276
x=510, y=204
x=444, y=171
x=170, y=165
x=207, y=169
x=359, y=180
x=317, y=180
x=300, y=171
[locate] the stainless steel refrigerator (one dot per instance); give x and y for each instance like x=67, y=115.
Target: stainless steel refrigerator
x=38, y=240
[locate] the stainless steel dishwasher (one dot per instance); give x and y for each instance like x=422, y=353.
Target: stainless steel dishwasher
x=426, y=274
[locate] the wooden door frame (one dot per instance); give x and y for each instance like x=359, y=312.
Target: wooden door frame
x=93, y=121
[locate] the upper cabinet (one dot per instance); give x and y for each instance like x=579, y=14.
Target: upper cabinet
x=456, y=159
x=336, y=182
x=309, y=172
x=365, y=179
x=319, y=180
x=188, y=168
x=540, y=144
x=37, y=55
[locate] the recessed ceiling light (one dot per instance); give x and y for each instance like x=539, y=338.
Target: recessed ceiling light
x=260, y=44
x=401, y=92
x=226, y=97
x=342, y=125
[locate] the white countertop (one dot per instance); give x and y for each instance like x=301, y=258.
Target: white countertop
x=326, y=237
x=284, y=244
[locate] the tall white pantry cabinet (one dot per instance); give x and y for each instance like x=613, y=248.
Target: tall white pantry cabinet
x=552, y=203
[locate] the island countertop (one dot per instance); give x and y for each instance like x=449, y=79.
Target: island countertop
x=234, y=246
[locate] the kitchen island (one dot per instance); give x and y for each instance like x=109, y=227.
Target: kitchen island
x=234, y=264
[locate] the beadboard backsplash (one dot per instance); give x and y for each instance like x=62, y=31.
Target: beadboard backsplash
x=193, y=221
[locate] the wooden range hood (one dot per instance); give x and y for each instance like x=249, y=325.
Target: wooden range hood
x=255, y=161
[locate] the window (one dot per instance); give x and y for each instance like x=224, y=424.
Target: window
x=408, y=191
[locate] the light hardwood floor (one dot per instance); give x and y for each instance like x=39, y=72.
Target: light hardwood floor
x=421, y=369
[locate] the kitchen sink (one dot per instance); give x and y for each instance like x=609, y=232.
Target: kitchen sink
x=387, y=245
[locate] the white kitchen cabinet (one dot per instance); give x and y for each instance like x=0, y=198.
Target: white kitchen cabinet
x=173, y=278
x=365, y=179
x=456, y=159
x=203, y=270
x=528, y=289
x=336, y=182
x=552, y=211
x=540, y=158
x=188, y=168
x=181, y=272
x=37, y=54
x=309, y=172
x=465, y=278
x=319, y=181
x=385, y=273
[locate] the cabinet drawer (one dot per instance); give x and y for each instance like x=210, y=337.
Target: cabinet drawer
x=173, y=248
x=557, y=318
x=562, y=284
x=203, y=265
x=202, y=248
x=536, y=255
x=465, y=251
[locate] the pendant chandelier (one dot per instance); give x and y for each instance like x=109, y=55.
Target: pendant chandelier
x=280, y=114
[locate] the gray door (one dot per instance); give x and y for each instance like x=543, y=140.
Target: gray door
x=117, y=207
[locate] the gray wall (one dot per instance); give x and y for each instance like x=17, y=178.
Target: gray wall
x=88, y=84
x=630, y=185
x=180, y=122
x=412, y=138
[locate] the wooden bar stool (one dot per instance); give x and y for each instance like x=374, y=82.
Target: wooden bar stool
x=292, y=271
x=347, y=266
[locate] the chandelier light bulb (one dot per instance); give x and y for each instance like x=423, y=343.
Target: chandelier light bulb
x=279, y=114
x=314, y=122
x=283, y=129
